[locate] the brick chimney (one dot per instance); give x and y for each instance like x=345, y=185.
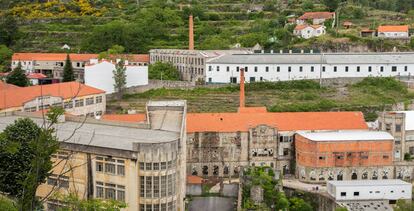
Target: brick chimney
x=191, y=33
x=242, y=103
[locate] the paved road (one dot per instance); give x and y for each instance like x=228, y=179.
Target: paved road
x=211, y=203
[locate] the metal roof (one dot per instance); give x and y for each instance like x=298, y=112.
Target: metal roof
x=102, y=135
x=316, y=58
x=355, y=135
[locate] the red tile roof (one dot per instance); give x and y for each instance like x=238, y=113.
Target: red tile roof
x=317, y=15
x=16, y=97
x=73, y=57
x=52, y=57
x=4, y=86
x=194, y=180
x=289, y=121
x=403, y=28
x=300, y=27
x=36, y=76
x=124, y=117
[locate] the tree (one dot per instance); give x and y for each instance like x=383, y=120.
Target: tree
x=119, y=78
x=215, y=42
x=331, y=4
x=341, y=209
x=307, y=5
x=403, y=205
x=7, y=204
x=114, y=50
x=5, y=57
x=18, y=77
x=74, y=204
x=25, y=157
x=163, y=71
x=8, y=30
x=68, y=70
x=298, y=204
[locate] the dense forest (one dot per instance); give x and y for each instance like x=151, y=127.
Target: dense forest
x=139, y=25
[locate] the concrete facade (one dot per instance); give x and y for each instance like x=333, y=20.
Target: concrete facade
x=100, y=75
x=190, y=63
x=141, y=164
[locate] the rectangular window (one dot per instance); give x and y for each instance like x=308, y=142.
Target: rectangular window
x=120, y=170
x=98, y=99
x=210, y=80
x=163, y=186
x=156, y=166
x=218, y=68
x=278, y=69
x=142, y=186
x=142, y=166
x=321, y=157
x=252, y=79
x=267, y=69
x=163, y=165
x=394, y=68
x=148, y=187
x=99, y=190
x=246, y=69
x=312, y=68
x=169, y=183
x=358, y=68
x=156, y=187
x=99, y=166
x=335, y=68
x=369, y=69
x=110, y=192
x=323, y=69
x=382, y=69
x=79, y=103
x=343, y=193
x=300, y=69
x=120, y=196
x=148, y=166
x=356, y=193
x=405, y=68
x=210, y=68
x=289, y=69
x=346, y=68
x=109, y=168
x=397, y=128
x=89, y=101
x=228, y=69
x=237, y=69
x=255, y=69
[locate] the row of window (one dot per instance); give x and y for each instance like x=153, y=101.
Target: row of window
x=170, y=206
x=356, y=193
x=157, y=166
x=363, y=156
x=58, y=181
x=157, y=186
x=82, y=102
x=110, y=191
x=312, y=69
x=110, y=166
x=182, y=60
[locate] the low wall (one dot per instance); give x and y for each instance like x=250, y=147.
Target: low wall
x=157, y=84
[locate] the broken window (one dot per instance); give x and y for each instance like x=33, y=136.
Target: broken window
x=226, y=170
x=205, y=170
x=215, y=170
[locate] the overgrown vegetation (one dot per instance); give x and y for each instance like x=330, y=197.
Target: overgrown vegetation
x=369, y=96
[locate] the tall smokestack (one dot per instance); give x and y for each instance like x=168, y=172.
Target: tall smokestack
x=242, y=103
x=191, y=33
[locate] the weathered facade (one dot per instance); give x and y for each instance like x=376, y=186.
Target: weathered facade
x=142, y=164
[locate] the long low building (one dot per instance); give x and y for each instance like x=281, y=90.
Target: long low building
x=283, y=67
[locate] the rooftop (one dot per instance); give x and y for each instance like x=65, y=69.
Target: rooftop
x=13, y=96
x=101, y=135
x=316, y=58
x=124, y=117
x=287, y=121
x=356, y=183
x=204, y=53
x=356, y=135
x=73, y=57
x=402, y=28
x=317, y=15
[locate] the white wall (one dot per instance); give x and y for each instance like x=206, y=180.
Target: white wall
x=223, y=76
x=374, y=192
x=100, y=76
x=393, y=34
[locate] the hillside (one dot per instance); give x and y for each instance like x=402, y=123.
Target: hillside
x=369, y=96
x=96, y=25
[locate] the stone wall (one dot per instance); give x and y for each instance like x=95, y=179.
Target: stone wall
x=158, y=84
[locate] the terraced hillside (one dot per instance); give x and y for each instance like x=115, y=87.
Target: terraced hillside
x=219, y=24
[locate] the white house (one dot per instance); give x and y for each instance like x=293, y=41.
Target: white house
x=309, y=31
x=395, y=32
x=99, y=74
x=284, y=67
x=391, y=189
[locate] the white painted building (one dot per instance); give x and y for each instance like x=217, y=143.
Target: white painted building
x=391, y=189
x=284, y=67
x=309, y=31
x=99, y=74
x=394, y=32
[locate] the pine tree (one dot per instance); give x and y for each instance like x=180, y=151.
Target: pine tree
x=68, y=71
x=18, y=76
x=120, y=78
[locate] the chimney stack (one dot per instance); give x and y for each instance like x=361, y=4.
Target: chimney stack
x=242, y=103
x=191, y=33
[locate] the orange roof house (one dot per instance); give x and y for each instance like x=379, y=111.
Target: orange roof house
x=194, y=180
x=14, y=97
x=317, y=15
x=73, y=57
x=390, y=28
